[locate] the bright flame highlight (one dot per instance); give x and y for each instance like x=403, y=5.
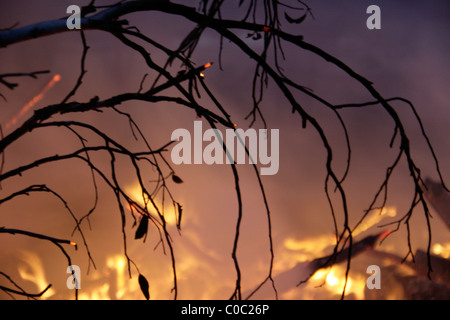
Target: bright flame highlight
x=34, y=272
x=300, y=250
x=100, y=293
x=333, y=280
x=170, y=214
x=112, y=283
x=56, y=78
x=118, y=263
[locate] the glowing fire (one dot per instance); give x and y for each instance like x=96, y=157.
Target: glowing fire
x=34, y=272
x=375, y=217
x=170, y=214
x=299, y=250
x=99, y=293
x=112, y=280
x=123, y=283
x=332, y=279
x=56, y=78
x=111, y=283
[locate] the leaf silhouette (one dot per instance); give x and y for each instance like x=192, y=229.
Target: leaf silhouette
x=142, y=229
x=176, y=179
x=143, y=283
x=292, y=20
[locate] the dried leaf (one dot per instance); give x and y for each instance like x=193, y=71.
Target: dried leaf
x=292, y=20
x=143, y=283
x=176, y=179
x=142, y=229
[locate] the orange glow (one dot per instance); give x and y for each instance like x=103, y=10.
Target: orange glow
x=56, y=78
x=375, y=217
x=266, y=29
x=170, y=215
x=112, y=282
x=202, y=75
x=301, y=250
x=331, y=280
x=34, y=271
x=209, y=64
x=73, y=243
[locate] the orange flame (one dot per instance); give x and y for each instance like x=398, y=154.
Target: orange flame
x=206, y=66
x=56, y=78
x=334, y=281
x=34, y=271
x=169, y=210
x=442, y=249
x=112, y=283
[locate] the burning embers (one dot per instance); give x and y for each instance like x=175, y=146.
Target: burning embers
x=56, y=78
x=292, y=264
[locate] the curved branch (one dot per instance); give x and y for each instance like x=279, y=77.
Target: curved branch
x=26, y=294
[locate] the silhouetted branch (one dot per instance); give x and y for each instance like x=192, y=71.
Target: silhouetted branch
x=26, y=294
x=35, y=235
x=83, y=70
